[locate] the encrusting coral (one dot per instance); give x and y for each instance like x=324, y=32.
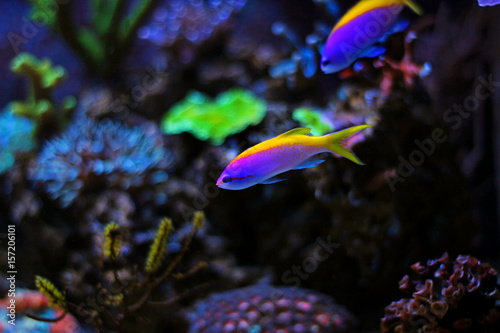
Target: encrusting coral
x=448, y=296
x=230, y=113
x=31, y=303
x=90, y=155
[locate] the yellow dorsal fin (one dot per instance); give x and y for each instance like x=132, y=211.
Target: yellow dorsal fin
x=296, y=131
x=414, y=6
x=364, y=6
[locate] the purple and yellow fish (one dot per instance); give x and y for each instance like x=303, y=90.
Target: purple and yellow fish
x=295, y=149
x=356, y=34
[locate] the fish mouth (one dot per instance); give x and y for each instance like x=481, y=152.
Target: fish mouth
x=219, y=183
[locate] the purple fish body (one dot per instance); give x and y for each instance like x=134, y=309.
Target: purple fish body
x=295, y=149
x=484, y=3
x=355, y=39
x=261, y=166
x=357, y=33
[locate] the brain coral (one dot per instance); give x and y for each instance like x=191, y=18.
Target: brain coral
x=264, y=308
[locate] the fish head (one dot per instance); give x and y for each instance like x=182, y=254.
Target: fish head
x=330, y=66
x=234, y=178
x=337, y=55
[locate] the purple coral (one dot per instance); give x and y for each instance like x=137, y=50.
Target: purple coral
x=189, y=21
x=448, y=296
x=265, y=309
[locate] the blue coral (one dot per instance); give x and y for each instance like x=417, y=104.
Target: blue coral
x=16, y=135
x=264, y=308
x=93, y=154
x=305, y=58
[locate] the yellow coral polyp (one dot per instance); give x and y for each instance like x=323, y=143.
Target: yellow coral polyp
x=113, y=300
x=112, y=240
x=47, y=288
x=158, y=249
x=198, y=219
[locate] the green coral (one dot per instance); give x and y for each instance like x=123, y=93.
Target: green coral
x=101, y=45
x=230, y=113
x=312, y=119
x=44, y=78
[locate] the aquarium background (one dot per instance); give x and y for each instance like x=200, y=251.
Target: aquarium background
x=117, y=117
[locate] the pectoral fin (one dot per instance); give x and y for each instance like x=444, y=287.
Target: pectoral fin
x=398, y=27
x=272, y=180
x=310, y=163
x=372, y=52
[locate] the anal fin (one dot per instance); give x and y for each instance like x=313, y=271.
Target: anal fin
x=272, y=180
x=310, y=163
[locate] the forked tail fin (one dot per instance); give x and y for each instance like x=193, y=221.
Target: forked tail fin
x=336, y=142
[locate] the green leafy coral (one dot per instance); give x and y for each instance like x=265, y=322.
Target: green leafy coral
x=43, y=79
x=312, y=119
x=103, y=43
x=230, y=113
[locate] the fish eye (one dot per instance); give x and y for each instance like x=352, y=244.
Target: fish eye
x=226, y=179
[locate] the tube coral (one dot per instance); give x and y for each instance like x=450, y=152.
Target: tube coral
x=447, y=297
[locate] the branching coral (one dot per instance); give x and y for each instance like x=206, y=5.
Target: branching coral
x=103, y=45
x=231, y=112
x=447, y=297
x=16, y=136
x=89, y=155
x=389, y=73
x=305, y=58
x=264, y=308
x=120, y=298
x=405, y=69
x=39, y=105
